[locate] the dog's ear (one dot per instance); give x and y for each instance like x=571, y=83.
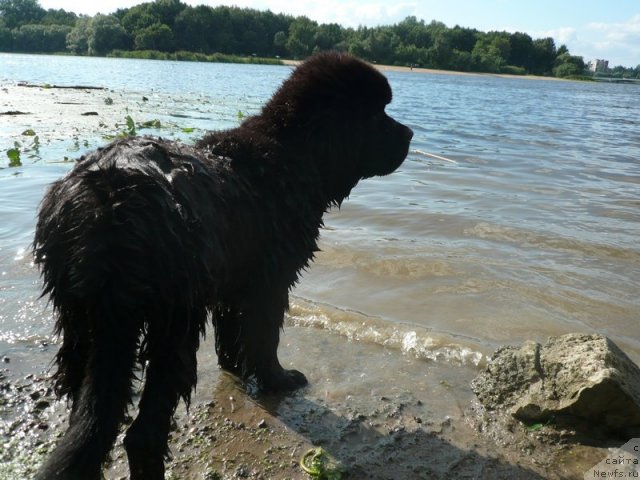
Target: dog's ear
x=329, y=81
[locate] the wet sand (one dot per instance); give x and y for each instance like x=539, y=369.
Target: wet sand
x=377, y=432
x=399, y=435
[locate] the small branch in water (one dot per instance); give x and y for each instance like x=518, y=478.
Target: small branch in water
x=432, y=155
x=14, y=112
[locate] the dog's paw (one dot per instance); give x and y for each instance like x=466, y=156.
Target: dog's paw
x=277, y=381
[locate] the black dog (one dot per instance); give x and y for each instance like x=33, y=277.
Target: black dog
x=145, y=239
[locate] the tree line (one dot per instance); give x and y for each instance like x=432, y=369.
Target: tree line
x=172, y=26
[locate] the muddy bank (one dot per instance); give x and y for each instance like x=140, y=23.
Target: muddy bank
x=436, y=431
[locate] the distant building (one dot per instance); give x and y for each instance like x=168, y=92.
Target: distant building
x=599, y=65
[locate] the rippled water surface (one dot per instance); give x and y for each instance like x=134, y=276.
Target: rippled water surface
x=528, y=227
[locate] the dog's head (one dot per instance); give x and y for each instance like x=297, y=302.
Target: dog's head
x=332, y=108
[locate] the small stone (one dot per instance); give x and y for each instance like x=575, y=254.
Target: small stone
x=42, y=404
x=262, y=423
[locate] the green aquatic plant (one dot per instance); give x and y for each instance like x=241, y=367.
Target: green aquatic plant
x=36, y=145
x=150, y=124
x=14, y=157
x=108, y=101
x=131, y=126
x=320, y=465
x=29, y=133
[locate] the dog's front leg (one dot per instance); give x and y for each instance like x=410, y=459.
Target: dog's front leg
x=261, y=318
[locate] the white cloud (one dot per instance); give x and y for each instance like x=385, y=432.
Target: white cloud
x=617, y=42
x=351, y=13
x=620, y=41
x=561, y=35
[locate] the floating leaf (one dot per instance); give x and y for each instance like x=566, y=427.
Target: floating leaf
x=29, y=133
x=131, y=126
x=14, y=157
x=188, y=129
x=150, y=124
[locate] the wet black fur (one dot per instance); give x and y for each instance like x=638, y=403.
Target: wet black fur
x=146, y=239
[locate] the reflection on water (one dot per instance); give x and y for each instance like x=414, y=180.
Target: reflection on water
x=532, y=232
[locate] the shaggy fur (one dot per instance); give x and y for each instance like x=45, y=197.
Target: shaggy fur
x=146, y=239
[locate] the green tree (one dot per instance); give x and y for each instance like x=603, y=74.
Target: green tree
x=41, y=38
x=16, y=13
x=441, y=51
x=6, y=39
x=490, y=52
x=463, y=39
x=167, y=10
x=381, y=45
x=413, y=32
x=521, y=52
x=106, y=34
x=328, y=36
x=59, y=17
x=193, y=29
x=280, y=42
x=302, y=33
x=78, y=37
x=155, y=37
x=138, y=18
x=543, y=56
x=567, y=65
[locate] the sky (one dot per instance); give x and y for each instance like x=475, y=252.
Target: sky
x=592, y=29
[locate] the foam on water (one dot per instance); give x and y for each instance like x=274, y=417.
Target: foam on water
x=410, y=340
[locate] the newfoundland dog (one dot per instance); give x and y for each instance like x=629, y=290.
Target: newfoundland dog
x=146, y=241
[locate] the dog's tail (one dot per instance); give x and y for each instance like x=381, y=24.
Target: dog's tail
x=100, y=399
x=93, y=271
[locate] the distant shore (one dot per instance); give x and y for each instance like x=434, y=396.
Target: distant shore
x=394, y=68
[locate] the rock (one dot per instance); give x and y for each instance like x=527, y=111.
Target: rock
x=580, y=375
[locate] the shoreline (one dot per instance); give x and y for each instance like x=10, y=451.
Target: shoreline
x=435, y=71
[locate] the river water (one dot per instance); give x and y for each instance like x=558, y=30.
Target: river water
x=528, y=227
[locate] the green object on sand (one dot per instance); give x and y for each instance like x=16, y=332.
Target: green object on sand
x=320, y=465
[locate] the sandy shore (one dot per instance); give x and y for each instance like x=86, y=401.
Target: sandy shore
x=376, y=432
x=417, y=70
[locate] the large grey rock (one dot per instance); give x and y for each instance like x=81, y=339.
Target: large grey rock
x=582, y=375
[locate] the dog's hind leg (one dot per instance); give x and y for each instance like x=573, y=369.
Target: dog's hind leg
x=171, y=374
x=100, y=399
